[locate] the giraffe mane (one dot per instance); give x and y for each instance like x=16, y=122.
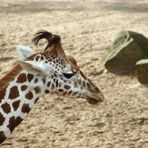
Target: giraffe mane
x=53, y=45
x=5, y=80
x=42, y=34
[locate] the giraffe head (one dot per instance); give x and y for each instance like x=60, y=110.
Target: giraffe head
x=61, y=73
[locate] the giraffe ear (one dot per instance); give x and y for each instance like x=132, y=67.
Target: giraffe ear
x=36, y=67
x=24, y=51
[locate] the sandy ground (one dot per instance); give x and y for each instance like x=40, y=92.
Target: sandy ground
x=87, y=28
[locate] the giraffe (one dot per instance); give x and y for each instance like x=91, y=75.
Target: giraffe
x=37, y=74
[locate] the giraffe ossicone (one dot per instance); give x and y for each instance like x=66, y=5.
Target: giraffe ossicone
x=24, y=51
x=50, y=71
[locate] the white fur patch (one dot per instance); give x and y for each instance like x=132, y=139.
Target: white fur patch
x=36, y=67
x=24, y=51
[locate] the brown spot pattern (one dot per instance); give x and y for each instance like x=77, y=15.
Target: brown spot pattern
x=6, y=108
x=30, y=77
x=25, y=108
x=84, y=84
x=37, y=90
x=2, y=137
x=48, y=84
x=29, y=95
x=44, y=80
x=2, y=94
x=88, y=85
x=42, y=58
x=52, y=86
x=16, y=105
x=12, y=123
x=70, y=92
x=67, y=87
x=23, y=87
x=14, y=93
x=2, y=119
x=36, y=80
x=5, y=81
x=18, y=120
x=46, y=91
x=57, y=83
x=21, y=78
x=64, y=93
x=37, y=58
x=60, y=90
x=36, y=100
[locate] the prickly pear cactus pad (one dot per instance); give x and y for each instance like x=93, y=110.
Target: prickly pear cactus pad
x=127, y=48
x=142, y=71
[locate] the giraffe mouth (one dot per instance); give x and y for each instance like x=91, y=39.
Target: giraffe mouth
x=95, y=98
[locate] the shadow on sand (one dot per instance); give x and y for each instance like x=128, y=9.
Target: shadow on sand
x=34, y=7
x=128, y=7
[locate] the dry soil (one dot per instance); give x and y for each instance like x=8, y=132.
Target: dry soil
x=87, y=29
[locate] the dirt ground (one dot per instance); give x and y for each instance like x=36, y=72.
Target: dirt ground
x=87, y=29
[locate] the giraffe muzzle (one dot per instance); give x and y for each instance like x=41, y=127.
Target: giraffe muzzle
x=95, y=98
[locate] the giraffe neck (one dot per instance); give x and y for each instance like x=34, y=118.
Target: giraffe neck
x=17, y=99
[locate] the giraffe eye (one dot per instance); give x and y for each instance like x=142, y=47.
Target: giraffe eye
x=68, y=75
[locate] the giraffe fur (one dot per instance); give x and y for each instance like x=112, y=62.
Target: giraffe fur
x=50, y=71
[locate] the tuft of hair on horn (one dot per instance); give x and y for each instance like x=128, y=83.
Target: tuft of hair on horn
x=42, y=34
